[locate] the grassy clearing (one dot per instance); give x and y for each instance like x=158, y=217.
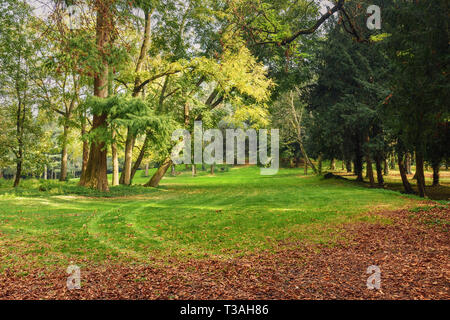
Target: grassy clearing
x=231, y=213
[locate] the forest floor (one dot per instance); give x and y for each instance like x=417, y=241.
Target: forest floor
x=226, y=237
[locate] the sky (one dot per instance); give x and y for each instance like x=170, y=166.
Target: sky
x=43, y=7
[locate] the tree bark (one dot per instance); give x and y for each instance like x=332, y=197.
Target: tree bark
x=408, y=163
x=159, y=174
x=95, y=175
x=348, y=166
x=115, y=160
x=85, y=155
x=319, y=164
x=358, y=162
x=125, y=177
x=333, y=164
x=212, y=169
x=403, y=174
x=420, y=174
x=386, y=167
x=139, y=159
x=379, y=167
x=194, y=170
x=436, y=167
x=18, y=172
x=146, y=169
x=369, y=169
x=63, y=175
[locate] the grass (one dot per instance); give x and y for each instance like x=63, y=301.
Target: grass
x=231, y=213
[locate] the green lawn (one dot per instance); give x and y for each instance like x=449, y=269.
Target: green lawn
x=228, y=214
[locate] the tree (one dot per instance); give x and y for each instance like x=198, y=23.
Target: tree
x=19, y=61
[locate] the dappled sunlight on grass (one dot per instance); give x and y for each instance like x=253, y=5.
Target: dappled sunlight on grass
x=237, y=212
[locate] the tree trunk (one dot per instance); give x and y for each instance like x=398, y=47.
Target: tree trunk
x=212, y=169
x=319, y=164
x=333, y=164
x=1, y=173
x=159, y=174
x=85, y=148
x=95, y=175
x=18, y=172
x=125, y=177
x=386, y=167
x=115, y=160
x=369, y=171
x=358, y=163
x=408, y=163
x=348, y=165
x=392, y=162
x=379, y=167
x=436, y=167
x=194, y=170
x=172, y=170
x=139, y=159
x=45, y=172
x=420, y=174
x=403, y=174
x=63, y=175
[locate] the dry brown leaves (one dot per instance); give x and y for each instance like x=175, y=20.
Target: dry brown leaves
x=412, y=253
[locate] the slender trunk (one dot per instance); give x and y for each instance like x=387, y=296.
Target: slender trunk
x=85, y=155
x=1, y=173
x=45, y=172
x=392, y=162
x=139, y=159
x=212, y=169
x=115, y=160
x=146, y=169
x=348, y=165
x=369, y=169
x=333, y=164
x=358, y=162
x=408, y=163
x=172, y=170
x=379, y=167
x=319, y=164
x=159, y=174
x=436, y=167
x=342, y=166
x=194, y=170
x=385, y=167
x=420, y=174
x=125, y=177
x=63, y=175
x=403, y=174
x=18, y=172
